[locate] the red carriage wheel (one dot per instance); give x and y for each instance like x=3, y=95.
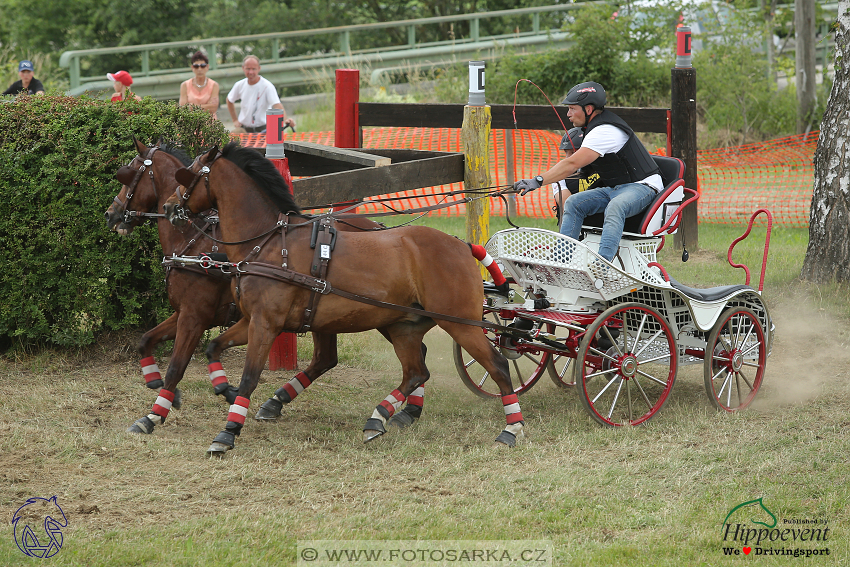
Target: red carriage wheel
x=526, y=367
x=736, y=356
x=626, y=365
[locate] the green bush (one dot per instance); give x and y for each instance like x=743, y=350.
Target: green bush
x=65, y=277
x=619, y=53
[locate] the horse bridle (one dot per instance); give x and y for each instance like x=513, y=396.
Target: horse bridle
x=147, y=165
x=204, y=171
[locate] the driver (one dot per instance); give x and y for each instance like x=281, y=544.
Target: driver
x=629, y=178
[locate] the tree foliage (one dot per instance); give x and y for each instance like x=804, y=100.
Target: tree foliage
x=66, y=277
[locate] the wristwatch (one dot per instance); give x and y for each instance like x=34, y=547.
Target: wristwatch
x=539, y=179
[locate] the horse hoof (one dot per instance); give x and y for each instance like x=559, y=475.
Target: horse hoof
x=177, y=403
x=270, y=410
x=142, y=425
x=218, y=449
x=374, y=428
x=370, y=434
x=402, y=420
x=506, y=438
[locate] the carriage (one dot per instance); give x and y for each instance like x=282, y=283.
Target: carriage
x=619, y=331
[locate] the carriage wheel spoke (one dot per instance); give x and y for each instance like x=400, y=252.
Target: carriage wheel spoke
x=566, y=366
x=653, y=378
x=603, y=389
x=648, y=342
x=616, y=397
x=629, y=399
x=727, y=381
x=602, y=354
x=484, y=378
x=746, y=381
x=470, y=363
x=746, y=352
x=613, y=342
x=639, y=331
x=643, y=393
x=662, y=357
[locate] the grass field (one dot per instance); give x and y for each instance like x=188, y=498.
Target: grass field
x=650, y=495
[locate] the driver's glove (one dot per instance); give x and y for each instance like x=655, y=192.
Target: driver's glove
x=526, y=185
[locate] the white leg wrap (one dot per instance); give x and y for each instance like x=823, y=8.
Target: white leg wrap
x=516, y=429
x=377, y=415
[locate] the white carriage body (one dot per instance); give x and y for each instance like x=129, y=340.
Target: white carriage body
x=575, y=279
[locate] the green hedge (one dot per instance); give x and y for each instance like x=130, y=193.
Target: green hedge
x=64, y=277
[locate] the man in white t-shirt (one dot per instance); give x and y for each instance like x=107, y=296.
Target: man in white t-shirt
x=629, y=178
x=257, y=95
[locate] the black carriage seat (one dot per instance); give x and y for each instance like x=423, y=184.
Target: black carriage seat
x=711, y=293
x=659, y=210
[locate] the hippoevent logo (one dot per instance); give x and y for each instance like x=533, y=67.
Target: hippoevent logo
x=750, y=528
x=37, y=526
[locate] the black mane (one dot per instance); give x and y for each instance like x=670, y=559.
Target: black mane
x=178, y=153
x=264, y=174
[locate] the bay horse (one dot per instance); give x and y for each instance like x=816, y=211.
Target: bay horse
x=417, y=267
x=201, y=298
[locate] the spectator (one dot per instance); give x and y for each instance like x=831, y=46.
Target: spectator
x=200, y=90
x=257, y=95
x=28, y=84
x=122, y=81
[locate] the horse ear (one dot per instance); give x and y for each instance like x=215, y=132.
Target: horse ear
x=139, y=146
x=184, y=176
x=212, y=153
x=161, y=141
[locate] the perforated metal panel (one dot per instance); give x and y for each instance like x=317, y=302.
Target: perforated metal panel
x=568, y=270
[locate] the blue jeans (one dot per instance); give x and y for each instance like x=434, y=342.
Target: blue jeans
x=618, y=203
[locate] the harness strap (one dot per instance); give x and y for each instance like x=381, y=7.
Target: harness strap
x=323, y=240
x=324, y=287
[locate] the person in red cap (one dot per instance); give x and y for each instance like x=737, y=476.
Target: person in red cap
x=122, y=81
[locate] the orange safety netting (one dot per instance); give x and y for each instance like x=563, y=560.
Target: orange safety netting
x=733, y=182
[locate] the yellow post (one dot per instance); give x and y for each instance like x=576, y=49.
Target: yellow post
x=475, y=136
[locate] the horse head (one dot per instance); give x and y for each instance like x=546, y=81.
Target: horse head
x=238, y=173
x=143, y=182
x=185, y=198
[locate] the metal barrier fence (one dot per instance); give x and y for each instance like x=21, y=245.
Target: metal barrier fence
x=340, y=51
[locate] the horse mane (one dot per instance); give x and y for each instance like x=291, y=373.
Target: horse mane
x=178, y=153
x=264, y=174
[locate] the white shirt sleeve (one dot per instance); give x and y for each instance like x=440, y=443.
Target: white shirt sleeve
x=235, y=93
x=605, y=139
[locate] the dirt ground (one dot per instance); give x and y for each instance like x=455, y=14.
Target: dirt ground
x=64, y=434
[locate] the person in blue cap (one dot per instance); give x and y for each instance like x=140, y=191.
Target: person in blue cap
x=27, y=84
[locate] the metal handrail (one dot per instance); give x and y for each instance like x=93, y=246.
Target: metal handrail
x=71, y=59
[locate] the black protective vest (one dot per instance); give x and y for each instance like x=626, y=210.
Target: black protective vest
x=630, y=165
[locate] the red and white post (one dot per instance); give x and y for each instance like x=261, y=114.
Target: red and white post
x=347, y=119
x=284, y=352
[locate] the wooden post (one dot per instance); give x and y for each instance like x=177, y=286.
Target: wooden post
x=683, y=126
x=475, y=137
x=804, y=30
x=284, y=352
x=346, y=124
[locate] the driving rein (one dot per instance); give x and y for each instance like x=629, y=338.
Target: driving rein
x=322, y=240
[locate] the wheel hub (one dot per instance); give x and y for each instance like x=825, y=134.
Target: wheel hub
x=628, y=366
x=737, y=361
